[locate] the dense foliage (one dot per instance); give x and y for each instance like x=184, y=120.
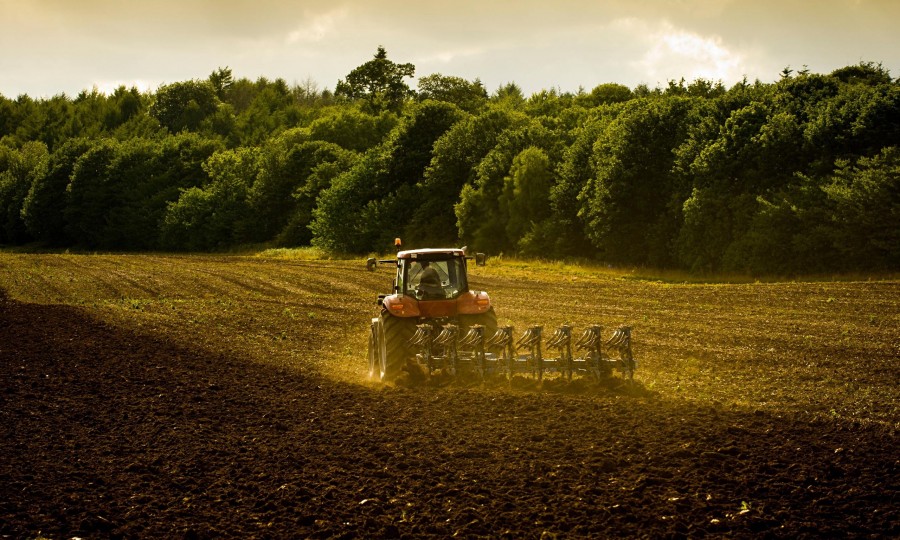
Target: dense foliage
x=801, y=175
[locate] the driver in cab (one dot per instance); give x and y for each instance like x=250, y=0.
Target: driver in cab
x=430, y=282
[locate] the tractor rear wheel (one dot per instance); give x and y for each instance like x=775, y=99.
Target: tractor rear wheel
x=391, y=349
x=374, y=350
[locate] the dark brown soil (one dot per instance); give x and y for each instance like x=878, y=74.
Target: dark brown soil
x=110, y=433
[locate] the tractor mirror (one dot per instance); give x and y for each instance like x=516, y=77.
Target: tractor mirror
x=371, y=264
x=480, y=259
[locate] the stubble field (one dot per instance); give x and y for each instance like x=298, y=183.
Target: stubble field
x=210, y=396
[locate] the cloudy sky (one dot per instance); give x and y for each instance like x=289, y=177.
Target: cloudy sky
x=53, y=46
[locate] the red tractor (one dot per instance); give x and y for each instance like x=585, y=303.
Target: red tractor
x=431, y=287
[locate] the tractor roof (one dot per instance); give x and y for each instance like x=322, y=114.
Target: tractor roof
x=431, y=253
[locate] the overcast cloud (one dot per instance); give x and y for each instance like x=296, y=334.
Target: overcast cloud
x=53, y=46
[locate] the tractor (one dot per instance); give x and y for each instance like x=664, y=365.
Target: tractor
x=432, y=322
x=431, y=287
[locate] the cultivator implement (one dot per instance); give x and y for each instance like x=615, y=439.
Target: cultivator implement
x=450, y=350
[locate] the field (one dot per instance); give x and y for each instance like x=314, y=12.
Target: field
x=209, y=396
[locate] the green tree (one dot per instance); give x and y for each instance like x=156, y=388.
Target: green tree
x=630, y=205
x=119, y=190
x=128, y=175
x=378, y=83
x=352, y=129
x=756, y=153
x=468, y=96
x=322, y=163
x=866, y=201
x=44, y=206
x=91, y=193
x=123, y=105
x=509, y=95
x=549, y=105
x=151, y=174
x=565, y=235
x=526, y=194
x=286, y=187
x=605, y=94
x=456, y=156
x=858, y=121
x=89, y=115
x=22, y=168
x=184, y=105
x=7, y=116
x=207, y=218
x=481, y=217
x=370, y=204
x=221, y=81
x=787, y=233
x=712, y=220
x=868, y=73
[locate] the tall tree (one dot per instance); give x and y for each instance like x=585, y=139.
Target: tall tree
x=91, y=193
x=221, y=81
x=379, y=83
x=509, y=95
x=207, y=218
x=352, y=129
x=605, y=94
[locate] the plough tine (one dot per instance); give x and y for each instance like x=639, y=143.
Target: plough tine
x=503, y=341
x=501, y=338
x=590, y=338
x=530, y=337
x=561, y=340
x=621, y=341
x=531, y=340
x=473, y=341
x=448, y=333
x=621, y=336
x=422, y=335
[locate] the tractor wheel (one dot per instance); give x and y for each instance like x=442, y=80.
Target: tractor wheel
x=392, y=336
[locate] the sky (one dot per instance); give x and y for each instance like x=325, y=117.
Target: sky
x=49, y=47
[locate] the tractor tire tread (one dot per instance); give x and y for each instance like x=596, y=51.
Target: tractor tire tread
x=397, y=331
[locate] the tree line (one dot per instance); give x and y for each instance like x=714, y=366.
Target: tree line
x=797, y=176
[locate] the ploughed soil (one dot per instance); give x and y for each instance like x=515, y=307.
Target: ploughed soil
x=110, y=432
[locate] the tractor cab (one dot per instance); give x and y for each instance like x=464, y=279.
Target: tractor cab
x=432, y=274
x=431, y=283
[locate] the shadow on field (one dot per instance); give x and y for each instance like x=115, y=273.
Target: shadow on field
x=106, y=432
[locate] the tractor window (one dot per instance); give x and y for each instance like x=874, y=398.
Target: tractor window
x=435, y=280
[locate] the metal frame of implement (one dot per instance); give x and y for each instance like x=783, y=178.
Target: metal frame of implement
x=444, y=348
